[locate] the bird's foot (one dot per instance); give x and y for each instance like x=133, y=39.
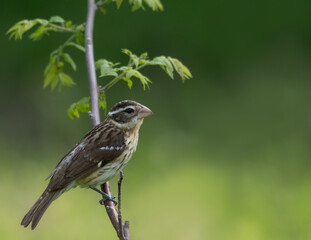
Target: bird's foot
x=108, y=197
x=105, y=196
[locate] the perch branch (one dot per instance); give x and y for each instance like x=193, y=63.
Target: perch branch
x=119, y=205
x=124, y=228
x=115, y=218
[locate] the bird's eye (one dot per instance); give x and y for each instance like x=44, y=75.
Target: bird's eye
x=129, y=110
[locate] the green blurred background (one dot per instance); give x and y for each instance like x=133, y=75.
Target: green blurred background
x=225, y=156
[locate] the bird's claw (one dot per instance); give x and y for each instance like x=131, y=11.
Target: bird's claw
x=110, y=198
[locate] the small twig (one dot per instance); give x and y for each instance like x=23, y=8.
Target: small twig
x=110, y=208
x=60, y=49
x=60, y=28
x=118, y=78
x=119, y=205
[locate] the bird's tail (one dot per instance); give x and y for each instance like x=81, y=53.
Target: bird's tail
x=38, y=209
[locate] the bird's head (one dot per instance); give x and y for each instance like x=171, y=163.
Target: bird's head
x=128, y=114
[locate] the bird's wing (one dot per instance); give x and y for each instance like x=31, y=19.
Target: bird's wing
x=101, y=145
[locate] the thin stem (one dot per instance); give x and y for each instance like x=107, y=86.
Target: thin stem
x=118, y=78
x=119, y=205
x=112, y=82
x=61, y=47
x=69, y=40
x=61, y=28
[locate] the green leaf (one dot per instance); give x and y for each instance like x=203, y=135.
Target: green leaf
x=54, y=82
x=102, y=9
x=127, y=52
x=155, y=5
x=159, y=5
x=78, y=46
x=57, y=19
x=130, y=73
x=143, y=79
x=60, y=66
x=119, y=2
x=124, y=68
x=42, y=21
x=83, y=105
x=129, y=82
x=13, y=29
x=106, y=68
x=50, y=76
x=69, y=60
x=164, y=63
x=144, y=56
x=102, y=101
x=136, y=60
x=23, y=26
x=80, y=38
x=20, y=28
x=137, y=4
x=66, y=80
x=68, y=24
x=51, y=63
x=39, y=33
x=133, y=57
x=181, y=69
x=52, y=72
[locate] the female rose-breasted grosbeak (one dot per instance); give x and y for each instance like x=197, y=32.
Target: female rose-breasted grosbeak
x=98, y=157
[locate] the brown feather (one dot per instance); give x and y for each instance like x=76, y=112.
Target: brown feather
x=86, y=160
x=36, y=212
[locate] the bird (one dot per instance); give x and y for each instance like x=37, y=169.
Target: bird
x=100, y=155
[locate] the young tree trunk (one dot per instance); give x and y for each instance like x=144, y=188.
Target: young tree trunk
x=115, y=217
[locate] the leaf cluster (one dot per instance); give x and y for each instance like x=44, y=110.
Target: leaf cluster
x=155, y=5
x=128, y=73
x=54, y=74
x=54, y=24
x=84, y=106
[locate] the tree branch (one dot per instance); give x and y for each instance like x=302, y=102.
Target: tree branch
x=89, y=54
x=110, y=208
x=116, y=220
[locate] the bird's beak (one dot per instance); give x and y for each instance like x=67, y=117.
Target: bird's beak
x=144, y=112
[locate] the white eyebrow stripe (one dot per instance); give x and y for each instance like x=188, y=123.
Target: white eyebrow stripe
x=120, y=110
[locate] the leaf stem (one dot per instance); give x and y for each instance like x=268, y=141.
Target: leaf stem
x=69, y=39
x=60, y=28
x=118, y=78
x=60, y=49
